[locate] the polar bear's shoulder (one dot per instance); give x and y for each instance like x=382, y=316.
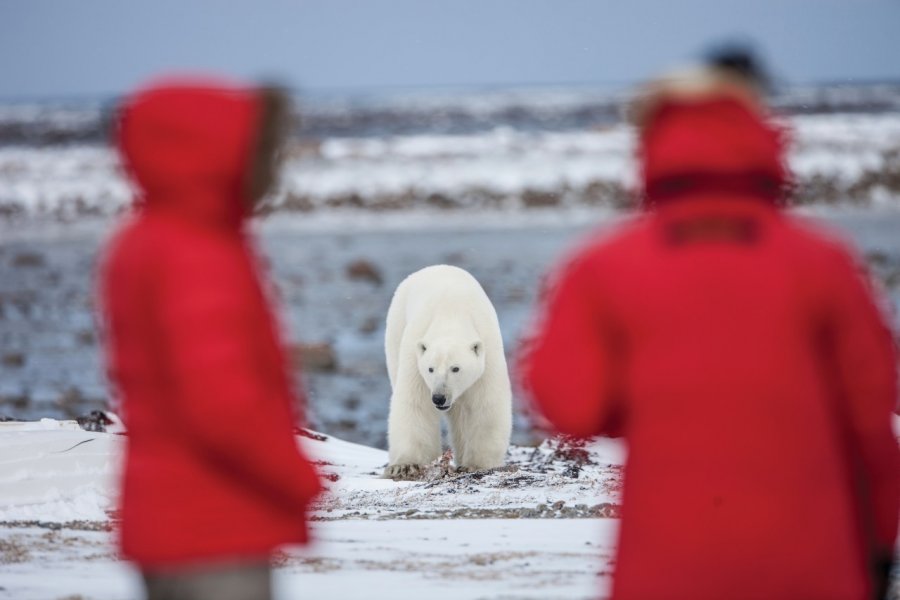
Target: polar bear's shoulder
x=443, y=273
x=444, y=281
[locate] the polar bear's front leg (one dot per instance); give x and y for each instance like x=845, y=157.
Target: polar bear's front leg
x=480, y=437
x=414, y=434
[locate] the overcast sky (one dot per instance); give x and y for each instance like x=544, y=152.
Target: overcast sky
x=89, y=47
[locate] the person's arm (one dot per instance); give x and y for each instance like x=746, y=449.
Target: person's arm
x=866, y=361
x=228, y=402
x=570, y=366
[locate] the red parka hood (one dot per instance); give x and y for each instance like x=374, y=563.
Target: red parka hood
x=187, y=145
x=708, y=136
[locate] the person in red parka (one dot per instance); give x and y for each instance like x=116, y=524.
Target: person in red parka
x=213, y=477
x=740, y=353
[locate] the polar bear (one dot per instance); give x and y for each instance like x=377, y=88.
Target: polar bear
x=444, y=355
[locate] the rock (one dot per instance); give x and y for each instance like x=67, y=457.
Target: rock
x=316, y=357
x=95, y=421
x=351, y=200
x=441, y=201
x=455, y=258
x=297, y=202
x=370, y=325
x=538, y=198
x=86, y=337
x=19, y=401
x=28, y=260
x=877, y=258
x=364, y=270
x=71, y=400
x=516, y=295
x=13, y=359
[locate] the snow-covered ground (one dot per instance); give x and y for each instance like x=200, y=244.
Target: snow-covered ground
x=837, y=158
x=533, y=559
x=542, y=527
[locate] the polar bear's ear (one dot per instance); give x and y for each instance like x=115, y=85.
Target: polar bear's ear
x=422, y=348
x=476, y=348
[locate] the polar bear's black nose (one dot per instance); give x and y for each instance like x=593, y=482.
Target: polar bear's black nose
x=439, y=399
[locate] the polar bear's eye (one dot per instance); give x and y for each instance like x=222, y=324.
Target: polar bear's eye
x=455, y=369
x=431, y=369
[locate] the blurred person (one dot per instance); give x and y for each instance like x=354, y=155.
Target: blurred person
x=213, y=477
x=740, y=353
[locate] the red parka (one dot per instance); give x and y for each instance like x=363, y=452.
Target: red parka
x=739, y=352
x=212, y=469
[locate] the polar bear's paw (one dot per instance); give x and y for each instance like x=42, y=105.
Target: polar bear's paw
x=404, y=472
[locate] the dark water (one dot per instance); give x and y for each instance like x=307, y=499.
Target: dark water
x=50, y=353
x=51, y=362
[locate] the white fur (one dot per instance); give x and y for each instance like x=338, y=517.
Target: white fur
x=440, y=318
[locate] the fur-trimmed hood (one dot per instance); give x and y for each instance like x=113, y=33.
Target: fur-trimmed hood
x=707, y=130
x=201, y=149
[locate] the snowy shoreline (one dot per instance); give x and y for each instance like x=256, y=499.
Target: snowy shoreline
x=533, y=518
x=529, y=531
x=837, y=159
x=55, y=472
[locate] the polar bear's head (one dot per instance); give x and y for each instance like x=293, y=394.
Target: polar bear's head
x=449, y=368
